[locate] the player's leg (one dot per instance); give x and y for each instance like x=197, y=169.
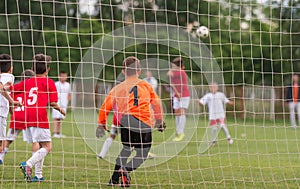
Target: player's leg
x=214, y=132
x=225, y=130
x=56, y=130
x=57, y=122
x=292, y=113
x=11, y=136
x=108, y=141
x=43, y=137
x=298, y=111
x=122, y=157
x=2, y=134
x=142, y=149
x=39, y=165
x=27, y=170
x=142, y=143
x=180, y=107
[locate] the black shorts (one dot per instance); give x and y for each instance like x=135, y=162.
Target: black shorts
x=135, y=133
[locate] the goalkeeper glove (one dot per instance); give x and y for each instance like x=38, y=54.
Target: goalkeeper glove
x=101, y=131
x=161, y=126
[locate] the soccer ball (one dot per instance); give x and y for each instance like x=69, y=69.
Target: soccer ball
x=202, y=31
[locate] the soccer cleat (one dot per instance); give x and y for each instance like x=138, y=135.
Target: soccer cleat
x=230, y=141
x=36, y=179
x=113, y=183
x=27, y=171
x=125, y=178
x=100, y=157
x=213, y=143
x=178, y=138
x=151, y=155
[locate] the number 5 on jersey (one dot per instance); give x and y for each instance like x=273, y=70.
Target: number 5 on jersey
x=32, y=96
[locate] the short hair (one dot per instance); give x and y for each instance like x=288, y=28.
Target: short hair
x=41, y=63
x=27, y=74
x=5, y=63
x=63, y=72
x=178, y=62
x=131, y=65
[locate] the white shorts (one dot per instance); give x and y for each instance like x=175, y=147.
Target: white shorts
x=12, y=134
x=3, y=128
x=57, y=115
x=181, y=103
x=35, y=134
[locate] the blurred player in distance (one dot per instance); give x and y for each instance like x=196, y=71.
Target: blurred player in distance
x=39, y=92
x=17, y=119
x=113, y=133
x=151, y=80
x=139, y=110
x=293, y=100
x=64, y=96
x=7, y=79
x=181, y=95
x=216, y=101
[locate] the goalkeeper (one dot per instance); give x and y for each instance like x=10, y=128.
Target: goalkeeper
x=139, y=110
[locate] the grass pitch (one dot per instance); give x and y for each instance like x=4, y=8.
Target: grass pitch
x=265, y=154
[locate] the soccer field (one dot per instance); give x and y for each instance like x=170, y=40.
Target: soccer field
x=263, y=155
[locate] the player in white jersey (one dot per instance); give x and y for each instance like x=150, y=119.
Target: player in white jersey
x=151, y=80
x=7, y=79
x=216, y=101
x=64, y=96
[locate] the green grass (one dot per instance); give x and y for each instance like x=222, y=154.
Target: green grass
x=265, y=154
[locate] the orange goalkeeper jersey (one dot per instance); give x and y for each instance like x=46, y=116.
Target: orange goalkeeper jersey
x=132, y=97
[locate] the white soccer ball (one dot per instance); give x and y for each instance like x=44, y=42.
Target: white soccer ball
x=202, y=31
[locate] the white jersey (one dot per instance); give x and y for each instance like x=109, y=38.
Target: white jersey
x=63, y=90
x=215, y=104
x=4, y=104
x=153, y=82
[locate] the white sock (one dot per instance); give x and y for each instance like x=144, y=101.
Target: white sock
x=177, y=122
x=105, y=147
x=39, y=168
x=36, y=157
x=214, y=130
x=225, y=130
x=2, y=154
x=181, y=124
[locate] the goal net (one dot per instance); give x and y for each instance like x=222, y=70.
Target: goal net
x=249, y=49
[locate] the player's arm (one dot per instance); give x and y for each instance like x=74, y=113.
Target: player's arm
x=7, y=96
x=203, y=101
x=230, y=102
x=105, y=108
x=175, y=91
x=227, y=101
x=55, y=106
x=158, y=111
x=199, y=101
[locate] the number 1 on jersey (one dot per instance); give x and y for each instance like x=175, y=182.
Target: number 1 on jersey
x=135, y=95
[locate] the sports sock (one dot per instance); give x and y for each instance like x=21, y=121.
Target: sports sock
x=177, y=123
x=181, y=124
x=37, y=156
x=39, y=168
x=121, y=161
x=2, y=154
x=214, y=130
x=225, y=130
x=105, y=147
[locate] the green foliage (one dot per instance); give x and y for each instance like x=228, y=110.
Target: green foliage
x=264, y=53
